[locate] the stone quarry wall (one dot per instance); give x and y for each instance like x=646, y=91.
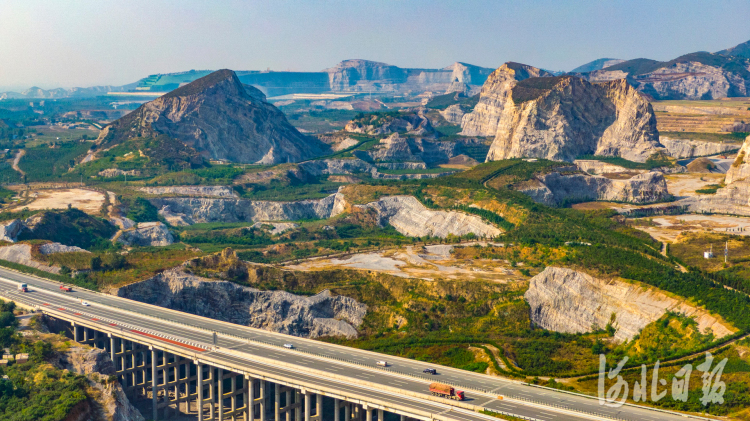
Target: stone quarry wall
x=409, y=217
x=320, y=315
x=686, y=148
x=243, y=210
x=563, y=300
x=554, y=189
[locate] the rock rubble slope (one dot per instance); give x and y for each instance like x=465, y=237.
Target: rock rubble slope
x=221, y=119
x=278, y=311
x=564, y=300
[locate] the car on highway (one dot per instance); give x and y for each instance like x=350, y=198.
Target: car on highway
x=382, y=363
x=84, y=303
x=429, y=371
x=290, y=346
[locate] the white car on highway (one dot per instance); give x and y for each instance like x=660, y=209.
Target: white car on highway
x=84, y=303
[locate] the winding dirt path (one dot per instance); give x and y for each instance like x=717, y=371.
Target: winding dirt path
x=19, y=155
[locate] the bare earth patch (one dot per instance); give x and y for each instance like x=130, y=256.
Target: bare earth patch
x=667, y=228
x=432, y=262
x=89, y=201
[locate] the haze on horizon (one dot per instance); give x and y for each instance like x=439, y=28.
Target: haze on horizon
x=86, y=43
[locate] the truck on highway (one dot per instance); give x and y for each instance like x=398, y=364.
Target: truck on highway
x=23, y=287
x=445, y=391
x=66, y=289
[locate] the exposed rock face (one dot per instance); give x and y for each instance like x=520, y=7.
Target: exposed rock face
x=734, y=199
x=278, y=311
x=276, y=228
x=457, y=86
x=740, y=169
x=221, y=119
x=96, y=365
x=21, y=253
x=175, y=219
x=336, y=166
x=563, y=300
x=115, y=172
x=453, y=114
x=402, y=165
x=146, y=234
x=396, y=148
x=698, y=75
x=565, y=117
x=555, y=189
x=348, y=74
x=592, y=166
x=9, y=230
x=239, y=210
x=52, y=248
x=410, y=123
x=207, y=191
x=598, y=64
x=493, y=98
x=372, y=76
x=686, y=148
x=409, y=217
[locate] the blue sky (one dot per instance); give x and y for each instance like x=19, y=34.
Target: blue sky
x=85, y=42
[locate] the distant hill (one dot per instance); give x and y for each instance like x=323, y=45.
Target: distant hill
x=699, y=75
x=219, y=118
x=598, y=64
x=739, y=50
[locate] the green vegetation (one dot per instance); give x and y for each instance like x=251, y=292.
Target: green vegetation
x=709, y=189
x=442, y=102
x=72, y=227
x=44, y=163
x=736, y=137
x=34, y=390
x=140, y=209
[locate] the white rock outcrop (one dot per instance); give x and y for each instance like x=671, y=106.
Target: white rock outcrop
x=244, y=210
x=146, y=234
x=206, y=191
x=409, y=217
x=320, y=315
x=9, y=230
x=453, y=114
x=276, y=228
x=564, y=300
x=52, y=248
x=21, y=253
x=686, y=148
x=336, y=166
x=555, y=189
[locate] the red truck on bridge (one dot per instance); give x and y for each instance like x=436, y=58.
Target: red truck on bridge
x=446, y=391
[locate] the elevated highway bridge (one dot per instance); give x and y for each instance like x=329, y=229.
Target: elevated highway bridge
x=215, y=370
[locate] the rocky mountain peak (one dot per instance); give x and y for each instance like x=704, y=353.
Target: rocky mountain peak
x=495, y=91
x=532, y=113
x=217, y=117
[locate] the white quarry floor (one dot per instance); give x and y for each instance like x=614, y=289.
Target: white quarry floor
x=88, y=201
x=431, y=262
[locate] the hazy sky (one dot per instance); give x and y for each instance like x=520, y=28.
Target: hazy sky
x=68, y=43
